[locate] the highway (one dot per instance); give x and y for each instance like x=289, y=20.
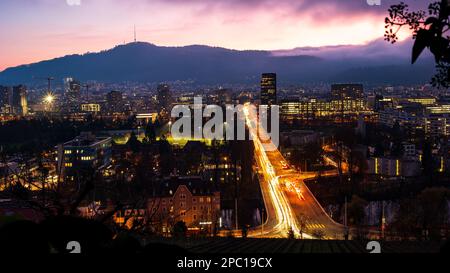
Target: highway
x=289, y=203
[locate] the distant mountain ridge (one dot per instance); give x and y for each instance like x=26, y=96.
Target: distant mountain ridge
x=145, y=62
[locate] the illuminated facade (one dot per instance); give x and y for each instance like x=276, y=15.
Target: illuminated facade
x=315, y=108
x=437, y=121
x=411, y=115
x=440, y=109
x=14, y=100
x=72, y=93
x=90, y=107
x=188, y=199
x=185, y=99
x=5, y=101
x=144, y=118
x=423, y=101
x=404, y=118
x=345, y=100
x=381, y=103
x=84, y=152
x=393, y=167
x=437, y=125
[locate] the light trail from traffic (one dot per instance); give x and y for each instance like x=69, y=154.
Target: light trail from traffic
x=279, y=206
x=285, y=204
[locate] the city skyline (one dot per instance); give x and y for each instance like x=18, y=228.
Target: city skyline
x=41, y=30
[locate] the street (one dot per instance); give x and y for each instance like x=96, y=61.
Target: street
x=289, y=203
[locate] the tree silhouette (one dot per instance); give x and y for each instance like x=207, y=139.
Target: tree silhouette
x=428, y=164
x=179, y=229
x=433, y=210
x=150, y=132
x=244, y=231
x=291, y=234
x=356, y=210
x=429, y=31
x=133, y=142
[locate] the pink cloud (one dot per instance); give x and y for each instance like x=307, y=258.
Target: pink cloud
x=43, y=29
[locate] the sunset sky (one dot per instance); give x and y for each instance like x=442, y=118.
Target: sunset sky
x=34, y=30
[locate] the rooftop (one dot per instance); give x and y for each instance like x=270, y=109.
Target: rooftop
x=86, y=139
x=195, y=184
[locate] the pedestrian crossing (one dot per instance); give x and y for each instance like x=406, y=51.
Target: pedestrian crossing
x=315, y=226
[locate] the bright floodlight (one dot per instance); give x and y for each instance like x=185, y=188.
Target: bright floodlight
x=49, y=98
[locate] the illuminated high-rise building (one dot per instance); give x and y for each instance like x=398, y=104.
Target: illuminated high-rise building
x=72, y=92
x=269, y=89
x=164, y=98
x=4, y=95
x=19, y=100
x=347, y=96
x=5, y=99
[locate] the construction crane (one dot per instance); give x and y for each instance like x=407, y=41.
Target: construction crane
x=49, y=80
x=49, y=97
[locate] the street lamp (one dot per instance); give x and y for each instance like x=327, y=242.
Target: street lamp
x=49, y=98
x=48, y=101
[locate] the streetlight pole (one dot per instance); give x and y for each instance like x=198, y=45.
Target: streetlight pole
x=236, y=212
x=345, y=220
x=262, y=221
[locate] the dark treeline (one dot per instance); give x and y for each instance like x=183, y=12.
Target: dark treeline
x=28, y=136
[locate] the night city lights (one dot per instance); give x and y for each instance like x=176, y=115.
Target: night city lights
x=225, y=135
